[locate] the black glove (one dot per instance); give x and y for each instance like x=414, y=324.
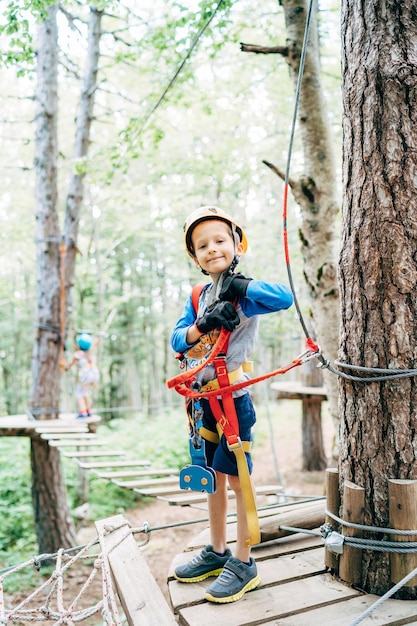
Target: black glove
x=222, y=314
x=234, y=286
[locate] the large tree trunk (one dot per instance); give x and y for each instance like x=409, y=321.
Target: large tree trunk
x=378, y=264
x=48, y=486
x=53, y=520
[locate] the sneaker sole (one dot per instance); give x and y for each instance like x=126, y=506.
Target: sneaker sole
x=197, y=579
x=250, y=586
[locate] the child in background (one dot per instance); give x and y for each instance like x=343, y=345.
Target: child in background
x=215, y=242
x=88, y=374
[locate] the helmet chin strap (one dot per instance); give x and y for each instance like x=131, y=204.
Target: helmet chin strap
x=233, y=265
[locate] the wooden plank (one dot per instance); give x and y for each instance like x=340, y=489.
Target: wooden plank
x=23, y=425
x=109, y=464
x=159, y=492
x=192, y=497
x=309, y=516
x=85, y=443
x=270, y=603
x=92, y=453
x=150, y=482
x=295, y=390
x=59, y=430
x=134, y=472
x=84, y=434
x=391, y=612
x=139, y=594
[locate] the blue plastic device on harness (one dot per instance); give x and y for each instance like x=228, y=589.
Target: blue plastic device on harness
x=197, y=476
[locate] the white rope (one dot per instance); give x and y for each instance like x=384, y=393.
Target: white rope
x=53, y=589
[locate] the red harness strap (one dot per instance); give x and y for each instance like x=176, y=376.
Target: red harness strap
x=226, y=417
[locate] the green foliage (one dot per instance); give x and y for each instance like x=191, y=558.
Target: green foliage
x=17, y=534
x=15, y=26
x=16, y=529
x=163, y=440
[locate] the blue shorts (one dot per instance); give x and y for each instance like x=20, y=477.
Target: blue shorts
x=218, y=456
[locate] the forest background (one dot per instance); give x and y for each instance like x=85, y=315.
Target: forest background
x=162, y=143
x=153, y=158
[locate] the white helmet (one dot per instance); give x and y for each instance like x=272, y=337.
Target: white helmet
x=211, y=213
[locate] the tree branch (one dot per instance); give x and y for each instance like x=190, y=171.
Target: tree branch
x=280, y=173
x=249, y=47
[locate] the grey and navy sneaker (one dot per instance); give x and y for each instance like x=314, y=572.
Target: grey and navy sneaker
x=203, y=565
x=236, y=579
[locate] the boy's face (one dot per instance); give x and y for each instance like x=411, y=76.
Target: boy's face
x=214, y=247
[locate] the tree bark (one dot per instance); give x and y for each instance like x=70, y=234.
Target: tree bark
x=378, y=267
x=313, y=453
x=45, y=365
x=53, y=522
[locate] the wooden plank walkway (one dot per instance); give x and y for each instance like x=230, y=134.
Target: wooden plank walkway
x=295, y=590
x=77, y=439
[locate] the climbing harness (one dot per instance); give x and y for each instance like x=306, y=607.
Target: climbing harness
x=197, y=476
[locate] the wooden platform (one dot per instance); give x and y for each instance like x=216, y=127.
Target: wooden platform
x=295, y=590
x=23, y=425
x=296, y=390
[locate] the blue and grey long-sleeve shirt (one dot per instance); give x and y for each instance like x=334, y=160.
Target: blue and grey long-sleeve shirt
x=261, y=298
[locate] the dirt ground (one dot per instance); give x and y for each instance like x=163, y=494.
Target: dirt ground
x=283, y=453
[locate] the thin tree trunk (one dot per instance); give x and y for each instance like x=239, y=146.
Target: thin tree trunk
x=315, y=192
x=378, y=268
x=81, y=145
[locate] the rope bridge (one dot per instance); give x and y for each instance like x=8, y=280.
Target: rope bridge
x=120, y=559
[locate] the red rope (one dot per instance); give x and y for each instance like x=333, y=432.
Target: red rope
x=183, y=390
x=179, y=383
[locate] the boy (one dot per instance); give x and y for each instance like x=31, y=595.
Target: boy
x=215, y=242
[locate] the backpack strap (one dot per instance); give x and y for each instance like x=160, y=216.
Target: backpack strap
x=195, y=295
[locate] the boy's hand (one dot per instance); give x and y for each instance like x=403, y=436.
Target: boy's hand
x=234, y=286
x=222, y=314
